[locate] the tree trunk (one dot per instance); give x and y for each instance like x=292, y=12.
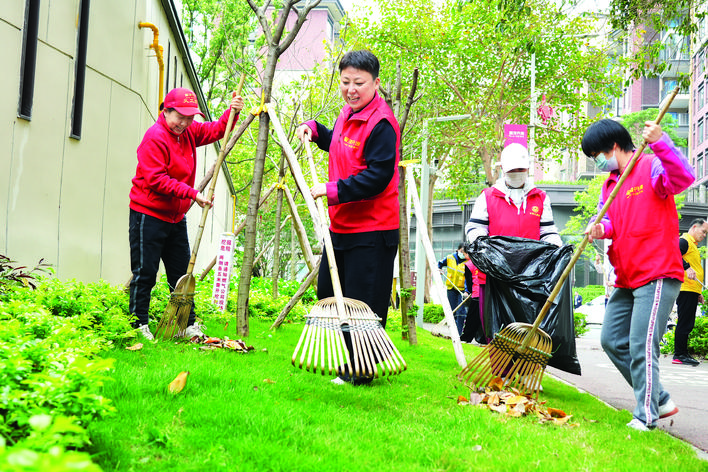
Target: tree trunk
x=276, y=45
x=249, y=247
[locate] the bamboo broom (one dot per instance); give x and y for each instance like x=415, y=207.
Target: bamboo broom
x=176, y=315
x=520, y=352
x=323, y=337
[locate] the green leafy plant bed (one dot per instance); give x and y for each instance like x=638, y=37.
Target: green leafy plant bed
x=256, y=411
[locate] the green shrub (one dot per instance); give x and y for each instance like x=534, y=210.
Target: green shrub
x=580, y=324
x=698, y=339
x=589, y=292
x=433, y=313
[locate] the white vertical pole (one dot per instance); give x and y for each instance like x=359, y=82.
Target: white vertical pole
x=421, y=225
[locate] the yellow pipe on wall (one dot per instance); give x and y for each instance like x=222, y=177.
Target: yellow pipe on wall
x=158, y=53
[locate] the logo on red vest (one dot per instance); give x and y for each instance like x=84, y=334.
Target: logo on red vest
x=535, y=210
x=634, y=191
x=351, y=143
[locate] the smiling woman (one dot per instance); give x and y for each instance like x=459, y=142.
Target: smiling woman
x=162, y=192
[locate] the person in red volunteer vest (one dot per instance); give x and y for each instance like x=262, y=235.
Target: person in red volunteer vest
x=362, y=189
x=642, y=223
x=513, y=206
x=162, y=192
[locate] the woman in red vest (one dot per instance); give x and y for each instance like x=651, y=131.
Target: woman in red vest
x=642, y=223
x=362, y=189
x=513, y=206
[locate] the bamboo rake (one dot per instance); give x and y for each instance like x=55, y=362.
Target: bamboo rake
x=323, y=338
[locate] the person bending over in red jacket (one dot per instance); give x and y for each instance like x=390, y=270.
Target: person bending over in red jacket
x=162, y=192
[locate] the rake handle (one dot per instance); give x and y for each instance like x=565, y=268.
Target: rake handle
x=329, y=247
x=578, y=252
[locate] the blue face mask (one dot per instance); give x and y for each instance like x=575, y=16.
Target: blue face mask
x=606, y=165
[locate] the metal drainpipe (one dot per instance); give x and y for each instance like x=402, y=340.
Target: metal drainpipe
x=158, y=53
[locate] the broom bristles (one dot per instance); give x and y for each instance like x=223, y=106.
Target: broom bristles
x=322, y=346
x=504, y=358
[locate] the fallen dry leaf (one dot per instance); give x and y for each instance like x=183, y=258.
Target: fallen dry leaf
x=177, y=385
x=268, y=381
x=135, y=347
x=496, y=384
x=511, y=403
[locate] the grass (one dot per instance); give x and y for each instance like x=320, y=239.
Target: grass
x=256, y=412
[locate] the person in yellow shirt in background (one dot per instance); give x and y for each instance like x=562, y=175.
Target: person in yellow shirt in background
x=455, y=283
x=691, y=291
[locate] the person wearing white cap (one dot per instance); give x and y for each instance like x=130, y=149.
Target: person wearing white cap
x=513, y=206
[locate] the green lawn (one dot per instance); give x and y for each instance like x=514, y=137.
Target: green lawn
x=256, y=412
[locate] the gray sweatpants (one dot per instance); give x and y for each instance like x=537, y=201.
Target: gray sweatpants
x=635, y=321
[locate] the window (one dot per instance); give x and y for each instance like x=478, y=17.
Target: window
x=701, y=97
x=699, y=132
x=28, y=63
x=77, y=110
x=699, y=166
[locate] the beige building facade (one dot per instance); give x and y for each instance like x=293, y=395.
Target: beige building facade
x=81, y=88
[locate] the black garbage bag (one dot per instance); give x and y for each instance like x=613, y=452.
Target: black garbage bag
x=521, y=274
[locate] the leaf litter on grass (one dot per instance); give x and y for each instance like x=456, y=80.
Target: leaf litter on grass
x=512, y=403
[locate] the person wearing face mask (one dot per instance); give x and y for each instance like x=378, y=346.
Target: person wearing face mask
x=361, y=191
x=513, y=206
x=162, y=192
x=453, y=268
x=642, y=223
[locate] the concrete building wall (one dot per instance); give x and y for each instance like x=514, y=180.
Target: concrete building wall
x=66, y=199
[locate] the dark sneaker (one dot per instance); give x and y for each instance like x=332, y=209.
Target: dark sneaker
x=685, y=360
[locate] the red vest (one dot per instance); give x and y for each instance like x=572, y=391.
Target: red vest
x=645, y=241
x=505, y=219
x=346, y=158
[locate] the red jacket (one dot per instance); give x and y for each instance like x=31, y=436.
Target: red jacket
x=346, y=150
x=163, y=185
x=644, y=229
x=642, y=220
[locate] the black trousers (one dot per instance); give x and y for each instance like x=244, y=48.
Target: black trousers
x=152, y=240
x=473, y=324
x=366, y=274
x=686, y=304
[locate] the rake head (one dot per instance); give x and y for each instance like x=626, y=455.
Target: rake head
x=323, y=343
x=506, y=357
x=176, y=315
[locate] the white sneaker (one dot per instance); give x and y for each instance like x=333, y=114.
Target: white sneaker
x=668, y=409
x=638, y=425
x=145, y=331
x=194, y=330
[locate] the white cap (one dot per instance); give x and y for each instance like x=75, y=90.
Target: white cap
x=514, y=156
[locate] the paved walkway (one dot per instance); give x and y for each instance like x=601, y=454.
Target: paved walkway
x=688, y=387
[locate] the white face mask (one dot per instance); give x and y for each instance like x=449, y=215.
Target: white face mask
x=461, y=255
x=606, y=165
x=516, y=179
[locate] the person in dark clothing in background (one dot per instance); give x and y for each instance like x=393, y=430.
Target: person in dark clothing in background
x=691, y=290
